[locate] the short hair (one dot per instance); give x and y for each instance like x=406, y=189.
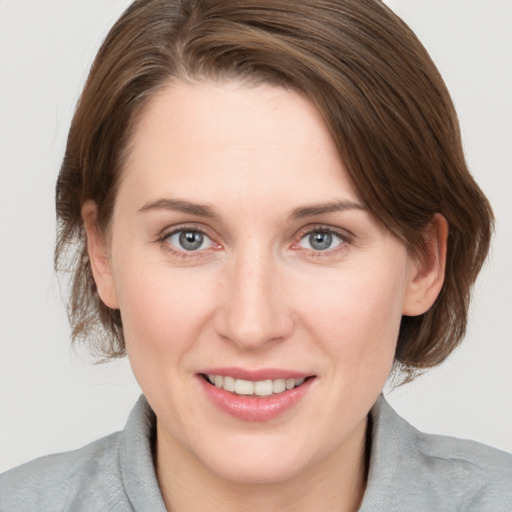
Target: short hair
x=378, y=91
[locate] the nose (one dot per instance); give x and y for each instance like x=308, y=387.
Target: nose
x=253, y=310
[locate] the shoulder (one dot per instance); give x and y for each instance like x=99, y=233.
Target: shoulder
x=481, y=474
x=56, y=482
x=115, y=473
x=416, y=471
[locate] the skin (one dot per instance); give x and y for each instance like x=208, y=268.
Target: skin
x=256, y=295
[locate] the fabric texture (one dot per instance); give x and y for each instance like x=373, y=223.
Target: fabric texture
x=409, y=472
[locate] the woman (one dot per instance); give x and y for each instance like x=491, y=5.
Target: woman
x=272, y=211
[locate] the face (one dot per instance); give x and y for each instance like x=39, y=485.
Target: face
x=240, y=253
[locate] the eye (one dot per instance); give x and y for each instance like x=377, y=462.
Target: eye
x=321, y=240
x=189, y=240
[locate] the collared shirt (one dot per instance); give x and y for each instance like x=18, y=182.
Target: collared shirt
x=409, y=471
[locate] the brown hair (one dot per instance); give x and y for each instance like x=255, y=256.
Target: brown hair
x=377, y=89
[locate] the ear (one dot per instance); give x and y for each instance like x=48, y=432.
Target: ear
x=98, y=256
x=426, y=272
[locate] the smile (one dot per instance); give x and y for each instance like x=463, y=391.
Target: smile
x=259, y=388
x=255, y=395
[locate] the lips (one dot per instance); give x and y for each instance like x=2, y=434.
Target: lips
x=256, y=388
x=254, y=395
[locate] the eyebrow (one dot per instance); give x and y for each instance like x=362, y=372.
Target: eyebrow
x=320, y=209
x=203, y=210
x=179, y=205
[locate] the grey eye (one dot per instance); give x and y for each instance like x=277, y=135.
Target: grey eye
x=189, y=240
x=321, y=240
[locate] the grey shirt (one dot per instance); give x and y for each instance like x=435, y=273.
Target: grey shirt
x=409, y=471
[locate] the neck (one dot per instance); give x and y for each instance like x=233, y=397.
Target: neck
x=336, y=483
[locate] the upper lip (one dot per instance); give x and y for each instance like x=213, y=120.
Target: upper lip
x=256, y=375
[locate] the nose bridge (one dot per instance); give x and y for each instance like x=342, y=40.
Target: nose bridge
x=254, y=310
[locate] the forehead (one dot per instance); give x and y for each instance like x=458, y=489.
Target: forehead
x=220, y=140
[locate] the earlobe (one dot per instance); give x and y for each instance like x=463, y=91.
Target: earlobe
x=98, y=256
x=426, y=273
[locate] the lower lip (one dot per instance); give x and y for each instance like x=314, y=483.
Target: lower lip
x=250, y=408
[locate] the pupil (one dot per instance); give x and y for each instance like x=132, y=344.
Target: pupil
x=320, y=241
x=191, y=240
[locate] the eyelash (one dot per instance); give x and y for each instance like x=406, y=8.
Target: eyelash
x=345, y=239
x=163, y=240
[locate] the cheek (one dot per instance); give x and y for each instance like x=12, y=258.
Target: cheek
x=162, y=309
x=163, y=314
x=355, y=317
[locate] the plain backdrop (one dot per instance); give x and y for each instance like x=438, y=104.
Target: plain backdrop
x=55, y=399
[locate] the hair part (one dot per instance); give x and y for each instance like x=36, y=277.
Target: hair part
x=379, y=93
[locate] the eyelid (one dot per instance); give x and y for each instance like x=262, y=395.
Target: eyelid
x=163, y=236
x=205, y=240
x=171, y=230
x=345, y=236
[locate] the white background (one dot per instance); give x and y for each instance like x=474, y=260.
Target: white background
x=54, y=399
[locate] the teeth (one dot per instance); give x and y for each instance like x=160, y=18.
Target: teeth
x=279, y=385
x=257, y=388
x=244, y=387
x=229, y=384
x=263, y=388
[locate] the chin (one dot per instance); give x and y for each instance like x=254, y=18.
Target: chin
x=262, y=458
x=251, y=470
